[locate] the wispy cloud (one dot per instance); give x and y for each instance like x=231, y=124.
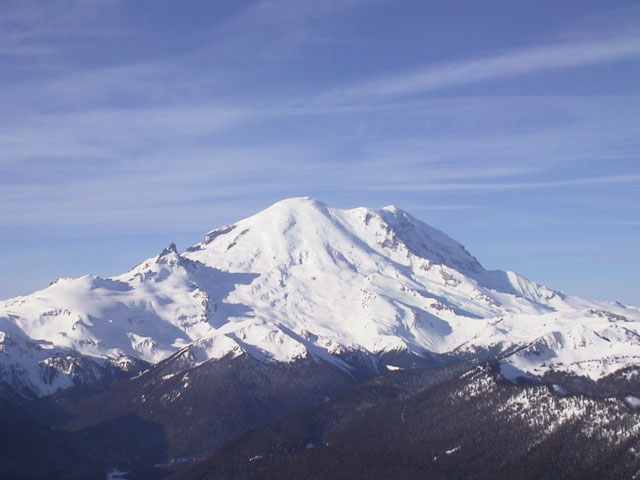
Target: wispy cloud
x=627, y=223
x=118, y=167
x=508, y=64
x=432, y=208
x=31, y=27
x=514, y=185
x=185, y=130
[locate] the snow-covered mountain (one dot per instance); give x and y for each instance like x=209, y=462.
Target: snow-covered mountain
x=303, y=280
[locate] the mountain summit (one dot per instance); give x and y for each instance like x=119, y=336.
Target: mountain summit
x=302, y=280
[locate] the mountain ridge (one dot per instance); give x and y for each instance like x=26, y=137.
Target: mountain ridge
x=300, y=280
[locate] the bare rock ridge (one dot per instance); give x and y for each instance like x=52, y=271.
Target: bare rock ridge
x=302, y=280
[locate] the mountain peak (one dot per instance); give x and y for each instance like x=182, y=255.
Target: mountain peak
x=392, y=208
x=171, y=248
x=283, y=229
x=301, y=278
x=296, y=204
x=302, y=200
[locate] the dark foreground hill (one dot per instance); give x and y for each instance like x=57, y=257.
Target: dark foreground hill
x=440, y=424
x=242, y=419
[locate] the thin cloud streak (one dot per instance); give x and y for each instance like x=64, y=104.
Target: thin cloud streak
x=434, y=187
x=179, y=159
x=531, y=60
x=627, y=223
x=430, y=208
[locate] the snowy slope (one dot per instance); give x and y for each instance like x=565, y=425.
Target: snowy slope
x=303, y=279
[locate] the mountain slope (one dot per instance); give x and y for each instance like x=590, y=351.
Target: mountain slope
x=448, y=422
x=31, y=449
x=304, y=280
x=172, y=413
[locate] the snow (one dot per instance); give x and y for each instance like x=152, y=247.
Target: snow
x=301, y=279
x=590, y=348
x=559, y=390
x=634, y=402
x=546, y=413
x=116, y=474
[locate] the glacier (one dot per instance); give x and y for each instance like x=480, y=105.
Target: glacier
x=301, y=279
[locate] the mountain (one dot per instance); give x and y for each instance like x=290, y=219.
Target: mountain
x=306, y=324
x=304, y=280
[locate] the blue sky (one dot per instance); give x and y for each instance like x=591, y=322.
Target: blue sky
x=513, y=126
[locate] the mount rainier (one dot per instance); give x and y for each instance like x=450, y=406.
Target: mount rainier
x=312, y=342
x=302, y=280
